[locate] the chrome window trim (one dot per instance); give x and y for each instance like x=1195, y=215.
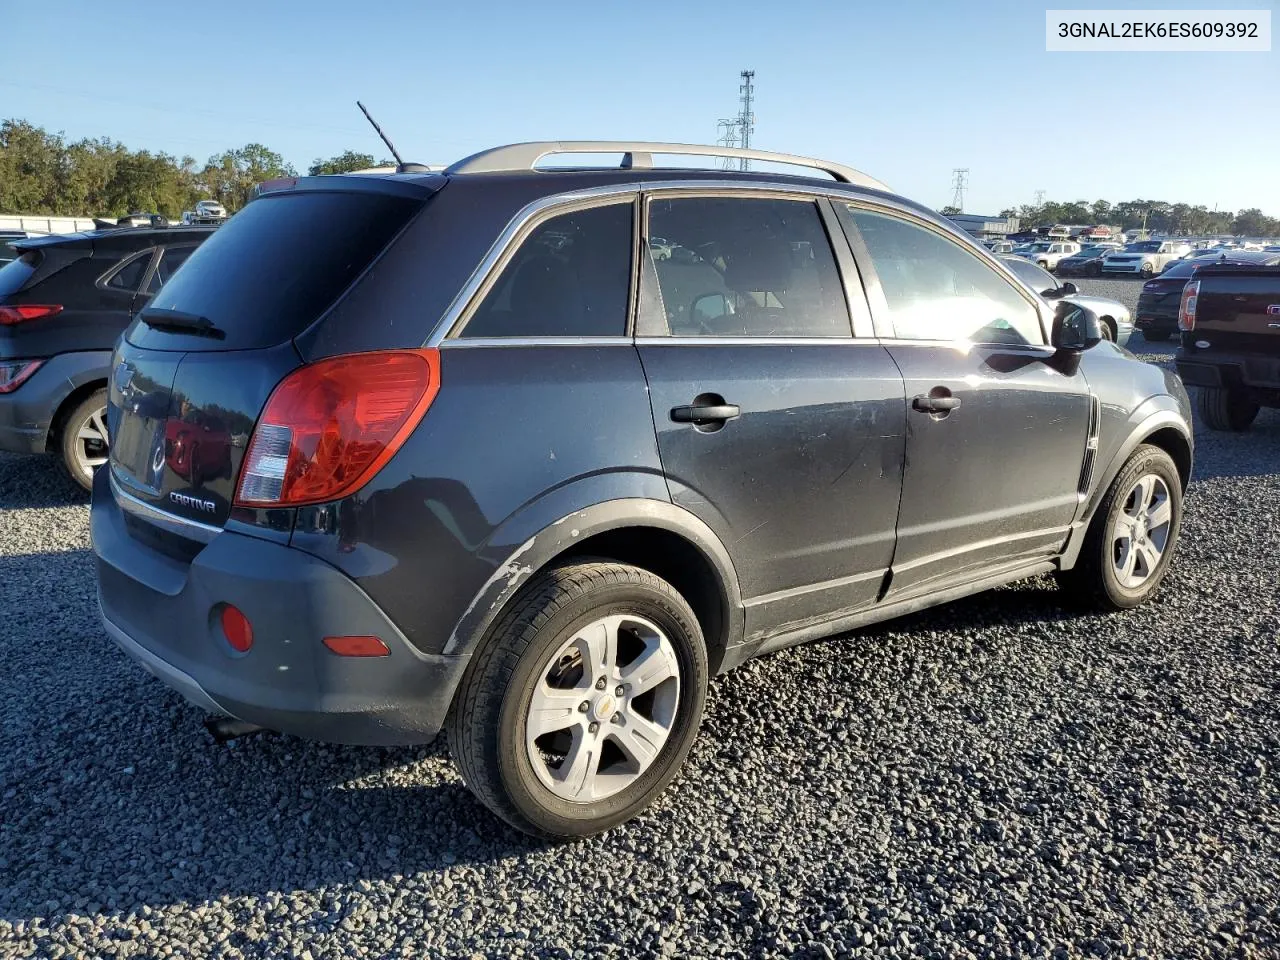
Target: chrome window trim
x=547, y=206
x=190, y=529
x=460, y=343
x=752, y=341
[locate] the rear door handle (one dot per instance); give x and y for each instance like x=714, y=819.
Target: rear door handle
x=927, y=404
x=705, y=413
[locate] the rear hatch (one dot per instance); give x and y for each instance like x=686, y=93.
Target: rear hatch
x=1238, y=309
x=195, y=369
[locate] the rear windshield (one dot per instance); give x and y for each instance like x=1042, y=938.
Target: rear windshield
x=275, y=266
x=17, y=272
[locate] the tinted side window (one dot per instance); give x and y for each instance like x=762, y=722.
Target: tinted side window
x=571, y=277
x=170, y=260
x=745, y=267
x=936, y=290
x=1029, y=273
x=130, y=275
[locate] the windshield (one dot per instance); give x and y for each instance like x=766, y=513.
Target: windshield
x=1038, y=247
x=1146, y=246
x=1182, y=268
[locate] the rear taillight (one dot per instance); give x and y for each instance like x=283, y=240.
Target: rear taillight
x=1187, y=308
x=14, y=373
x=23, y=312
x=330, y=426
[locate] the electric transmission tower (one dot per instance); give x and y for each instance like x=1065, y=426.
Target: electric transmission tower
x=736, y=131
x=1039, y=198
x=746, y=117
x=960, y=181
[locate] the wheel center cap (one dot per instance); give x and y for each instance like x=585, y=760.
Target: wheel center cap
x=604, y=708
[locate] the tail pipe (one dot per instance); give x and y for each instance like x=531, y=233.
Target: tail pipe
x=223, y=729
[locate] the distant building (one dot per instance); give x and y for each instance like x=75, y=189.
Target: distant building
x=985, y=227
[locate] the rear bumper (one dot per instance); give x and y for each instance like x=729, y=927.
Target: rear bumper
x=1198, y=368
x=164, y=613
x=26, y=415
x=1156, y=320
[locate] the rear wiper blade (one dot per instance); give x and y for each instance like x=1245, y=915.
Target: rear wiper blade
x=162, y=319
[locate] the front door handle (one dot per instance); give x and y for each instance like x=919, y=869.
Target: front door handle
x=705, y=413
x=928, y=404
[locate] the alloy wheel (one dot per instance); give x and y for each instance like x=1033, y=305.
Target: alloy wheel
x=1140, y=531
x=90, y=448
x=603, y=707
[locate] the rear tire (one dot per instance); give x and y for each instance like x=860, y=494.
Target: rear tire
x=1121, y=564
x=1222, y=408
x=517, y=678
x=82, y=439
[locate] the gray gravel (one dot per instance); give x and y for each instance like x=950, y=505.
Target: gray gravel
x=995, y=778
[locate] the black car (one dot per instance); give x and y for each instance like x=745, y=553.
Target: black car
x=63, y=303
x=1086, y=263
x=480, y=460
x=1157, y=312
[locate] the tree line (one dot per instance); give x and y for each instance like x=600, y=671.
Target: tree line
x=1154, y=215
x=43, y=173
x=40, y=172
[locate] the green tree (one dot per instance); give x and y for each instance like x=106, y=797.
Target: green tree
x=343, y=163
x=31, y=165
x=950, y=211
x=231, y=176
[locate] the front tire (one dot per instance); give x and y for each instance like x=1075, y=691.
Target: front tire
x=82, y=440
x=1222, y=408
x=1147, y=271
x=608, y=637
x=1131, y=539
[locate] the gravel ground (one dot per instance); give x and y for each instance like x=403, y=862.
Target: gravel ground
x=995, y=778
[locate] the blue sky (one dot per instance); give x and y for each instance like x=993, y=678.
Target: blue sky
x=904, y=90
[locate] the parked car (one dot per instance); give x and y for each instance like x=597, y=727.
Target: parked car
x=1145, y=258
x=1049, y=254
x=1229, y=316
x=1113, y=315
x=207, y=212
x=538, y=494
x=1087, y=262
x=63, y=303
x=998, y=247
x=1159, y=301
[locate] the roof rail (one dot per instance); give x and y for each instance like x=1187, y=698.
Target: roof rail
x=638, y=155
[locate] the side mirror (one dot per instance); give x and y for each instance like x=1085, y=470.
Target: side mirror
x=1075, y=329
x=1067, y=289
x=711, y=306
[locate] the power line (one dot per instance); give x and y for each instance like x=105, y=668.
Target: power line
x=959, y=181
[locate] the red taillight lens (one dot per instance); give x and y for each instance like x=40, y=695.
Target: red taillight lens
x=357, y=646
x=1187, y=308
x=331, y=425
x=236, y=628
x=23, y=312
x=14, y=373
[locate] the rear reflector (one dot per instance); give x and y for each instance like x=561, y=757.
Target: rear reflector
x=357, y=646
x=14, y=373
x=236, y=628
x=1187, y=308
x=23, y=312
x=330, y=426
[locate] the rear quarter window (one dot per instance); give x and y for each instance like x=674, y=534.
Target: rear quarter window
x=276, y=266
x=15, y=274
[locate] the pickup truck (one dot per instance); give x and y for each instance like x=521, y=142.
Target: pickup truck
x=1230, y=324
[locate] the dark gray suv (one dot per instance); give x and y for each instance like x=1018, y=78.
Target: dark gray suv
x=470, y=451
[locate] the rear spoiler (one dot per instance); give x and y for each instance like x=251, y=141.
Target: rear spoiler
x=414, y=185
